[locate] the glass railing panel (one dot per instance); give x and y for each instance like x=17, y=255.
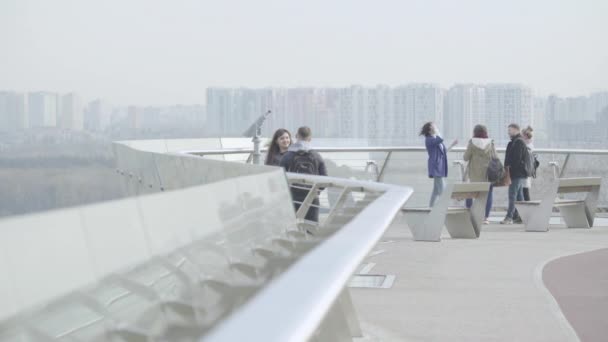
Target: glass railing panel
x=178, y=145
x=354, y=165
x=229, y=143
x=151, y=145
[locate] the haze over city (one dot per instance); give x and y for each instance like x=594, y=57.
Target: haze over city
x=163, y=53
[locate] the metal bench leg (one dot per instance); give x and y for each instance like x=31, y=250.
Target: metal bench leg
x=428, y=226
x=591, y=204
x=575, y=216
x=459, y=226
x=536, y=217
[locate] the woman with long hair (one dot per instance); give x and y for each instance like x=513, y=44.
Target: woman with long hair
x=478, y=155
x=438, y=158
x=281, y=140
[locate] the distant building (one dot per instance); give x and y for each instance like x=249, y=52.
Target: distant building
x=577, y=119
x=42, y=109
x=71, y=114
x=98, y=116
x=413, y=105
x=13, y=111
x=539, y=114
x=507, y=103
x=598, y=103
x=464, y=108
x=134, y=118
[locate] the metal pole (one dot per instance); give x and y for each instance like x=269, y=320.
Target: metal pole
x=563, y=169
x=257, y=154
x=381, y=173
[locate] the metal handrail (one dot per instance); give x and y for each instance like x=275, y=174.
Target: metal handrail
x=391, y=149
x=310, y=298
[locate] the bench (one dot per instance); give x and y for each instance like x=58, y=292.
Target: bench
x=426, y=224
x=579, y=213
x=576, y=213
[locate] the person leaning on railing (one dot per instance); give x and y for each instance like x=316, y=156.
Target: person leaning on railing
x=478, y=155
x=300, y=158
x=438, y=159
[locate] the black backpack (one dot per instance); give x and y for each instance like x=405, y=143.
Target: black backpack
x=496, y=171
x=530, y=162
x=304, y=162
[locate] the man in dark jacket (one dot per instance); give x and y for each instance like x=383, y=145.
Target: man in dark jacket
x=515, y=159
x=301, y=159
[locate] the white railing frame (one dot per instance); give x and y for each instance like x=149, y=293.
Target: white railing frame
x=389, y=150
x=309, y=298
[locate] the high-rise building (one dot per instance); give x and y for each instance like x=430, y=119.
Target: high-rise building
x=71, y=115
x=464, y=108
x=379, y=108
x=134, y=118
x=413, y=105
x=598, y=103
x=507, y=103
x=13, y=111
x=98, y=115
x=42, y=109
x=539, y=115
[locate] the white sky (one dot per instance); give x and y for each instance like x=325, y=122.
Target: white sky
x=167, y=52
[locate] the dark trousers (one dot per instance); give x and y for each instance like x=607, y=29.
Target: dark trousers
x=313, y=211
x=526, y=192
x=488, y=202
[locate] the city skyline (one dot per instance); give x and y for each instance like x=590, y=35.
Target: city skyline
x=354, y=112
x=203, y=101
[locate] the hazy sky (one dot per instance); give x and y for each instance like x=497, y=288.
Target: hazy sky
x=166, y=52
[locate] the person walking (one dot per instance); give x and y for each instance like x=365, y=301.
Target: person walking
x=281, y=140
x=300, y=158
x=516, y=160
x=478, y=155
x=438, y=161
x=527, y=135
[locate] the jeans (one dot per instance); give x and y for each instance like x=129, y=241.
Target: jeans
x=516, y=193
x=488, y=202
x=438, y=186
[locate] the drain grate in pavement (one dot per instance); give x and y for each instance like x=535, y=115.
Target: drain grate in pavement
x=376, y=281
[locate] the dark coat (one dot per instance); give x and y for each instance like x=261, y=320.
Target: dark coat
x=514, y=157
x=275, y=160
x=438, y=159
x=299, y=194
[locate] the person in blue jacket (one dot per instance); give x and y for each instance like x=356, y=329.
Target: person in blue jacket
x=438, y=159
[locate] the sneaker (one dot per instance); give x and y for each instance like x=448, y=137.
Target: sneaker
x=486, y=221
x=518, y=221
x=506, y=221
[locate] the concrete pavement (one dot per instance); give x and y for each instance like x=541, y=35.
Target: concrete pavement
x=489, y=289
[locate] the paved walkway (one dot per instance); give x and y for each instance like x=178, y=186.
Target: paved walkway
x=489, y=289
x=579, y=283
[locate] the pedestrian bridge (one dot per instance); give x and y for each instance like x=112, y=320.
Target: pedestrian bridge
x=208, y=248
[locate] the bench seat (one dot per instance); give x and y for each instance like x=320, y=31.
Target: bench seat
x=528, y=202
x=561, y=203
x=427, y=223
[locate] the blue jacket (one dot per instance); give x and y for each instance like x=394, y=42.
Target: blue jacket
x=438, y=159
